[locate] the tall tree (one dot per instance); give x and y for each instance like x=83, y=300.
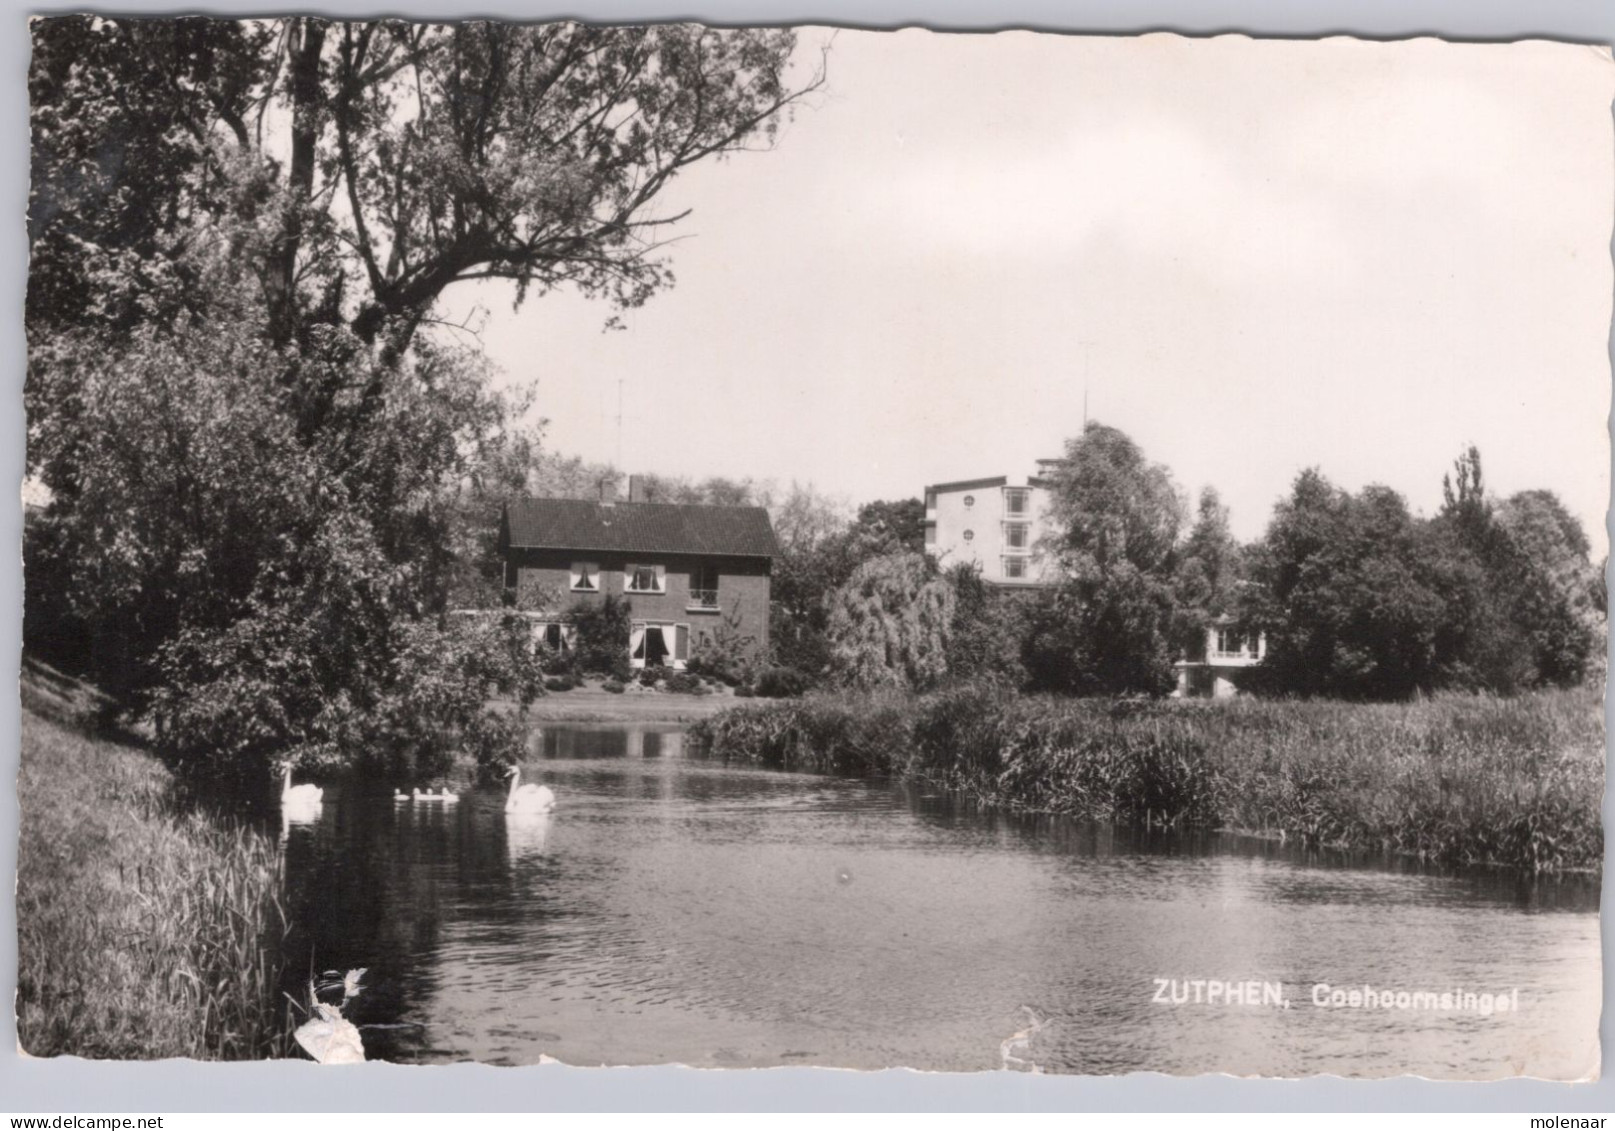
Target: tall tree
x=1207, y=576
x=261, y=469
x=898, y=520
x=1553, y=587
x=1346, y=595
x=890, y=625
x=1107, y=628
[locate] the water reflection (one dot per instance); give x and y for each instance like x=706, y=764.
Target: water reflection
x=525, y=835
x=673, y=908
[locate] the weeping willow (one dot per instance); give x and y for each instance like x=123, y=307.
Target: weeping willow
x=891, y=623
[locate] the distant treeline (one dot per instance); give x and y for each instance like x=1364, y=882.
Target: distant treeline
x=1356, y=596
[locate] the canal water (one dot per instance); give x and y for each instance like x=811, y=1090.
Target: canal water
x=673, y=909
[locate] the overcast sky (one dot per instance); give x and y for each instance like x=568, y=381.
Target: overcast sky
x=1263, y=255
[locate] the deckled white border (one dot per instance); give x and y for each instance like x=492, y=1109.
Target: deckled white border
x=73, y=1085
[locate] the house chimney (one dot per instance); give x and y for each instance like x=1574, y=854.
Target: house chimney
x=638, y=490
x=608, y=492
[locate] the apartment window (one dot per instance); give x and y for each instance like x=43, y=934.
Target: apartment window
x=1015, y=568
x=646, y=578
x=930, y=534
x=1015, y=501
x=1016, y=535
x=970, y=500
x=930, y=500
x=585, y=577
x=969, y=535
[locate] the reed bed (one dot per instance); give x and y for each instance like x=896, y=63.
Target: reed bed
x=1456, y=779
x=143, y=932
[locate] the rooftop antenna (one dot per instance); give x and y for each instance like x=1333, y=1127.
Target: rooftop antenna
x=1087, y=359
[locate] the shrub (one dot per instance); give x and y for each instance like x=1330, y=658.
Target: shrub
x=683, y=683
x=612, y=686
x=621, y=669
x=555, y=663
x=781, y=683
x=558, y=683
x=822, y=733
x=603, y=631
x=650, y=675
x=238, y=700
x=744, y=692
x=724, y=653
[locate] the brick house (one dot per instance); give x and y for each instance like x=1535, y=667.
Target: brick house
x=689, y=571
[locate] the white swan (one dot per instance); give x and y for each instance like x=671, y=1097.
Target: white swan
x=299, y=796
x=400, y=795
x=528, y=798
x=527, y=833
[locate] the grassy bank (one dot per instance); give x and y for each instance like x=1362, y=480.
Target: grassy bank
x=1458, y=779
x=142, y=932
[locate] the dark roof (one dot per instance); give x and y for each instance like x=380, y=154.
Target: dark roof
x=970, y=484
x=639, y=528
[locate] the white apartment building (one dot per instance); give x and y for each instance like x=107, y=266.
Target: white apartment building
x=996, y=523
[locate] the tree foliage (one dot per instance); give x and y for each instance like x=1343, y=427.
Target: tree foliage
x=380, y=162
x=1106, y=628
x=266, y=480
x=890, y=624
x=1206, y=583
x=898, y=521
x=1360, y=598
x=1352, y=605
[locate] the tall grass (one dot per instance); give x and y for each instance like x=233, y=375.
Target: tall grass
x=142, y=932
x=1458, y=779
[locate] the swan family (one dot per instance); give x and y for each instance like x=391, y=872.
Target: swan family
x=444, y=794
x=305, y=799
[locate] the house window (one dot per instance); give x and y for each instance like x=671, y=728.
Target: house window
x=585, y=577
x=969, y=534
x=654, y=644
x=1016, y=535
x=559, y=637
x=1015, y=501
x=1231, y=642
x=930, y=534
x=646, y=578
x=1015, y=568
x=970, y=500
x=704, y=587
x=512, y=575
